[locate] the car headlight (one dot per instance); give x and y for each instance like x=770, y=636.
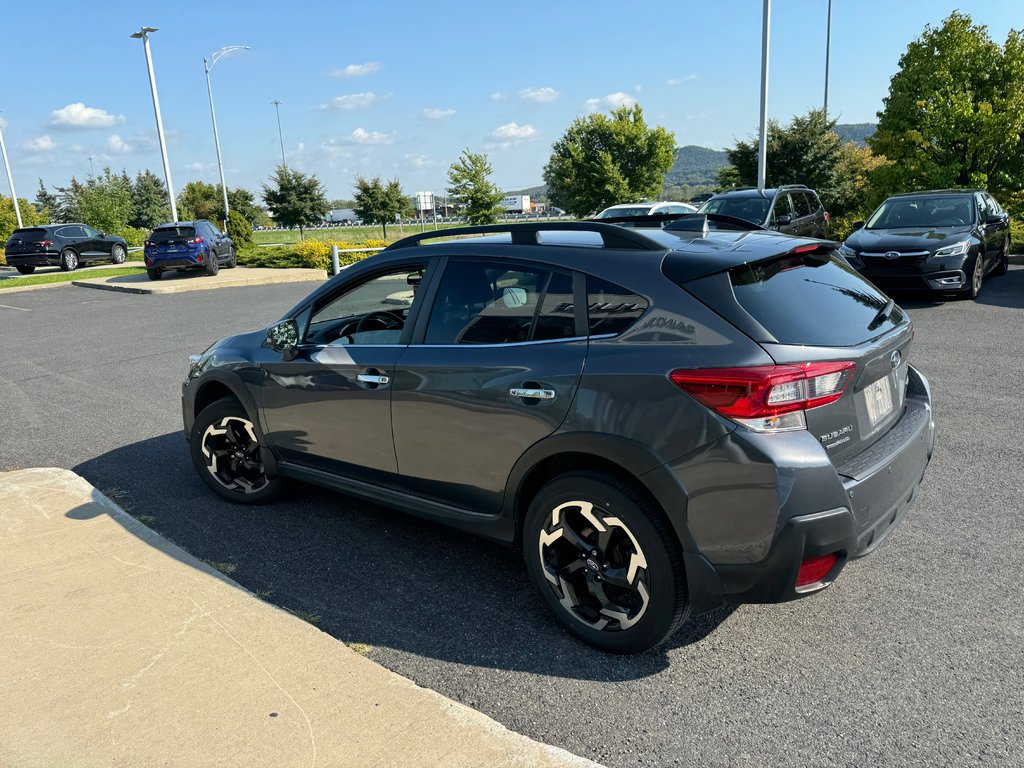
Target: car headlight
x=847, y=252
x=957, y=249
x=193, y=365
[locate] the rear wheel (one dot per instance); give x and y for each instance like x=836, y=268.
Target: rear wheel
x=606, y=562
x=154, y=274
x=226, y=453
x=117, y=254
x=1004, y=260
x=232, y=261
x=25, y=269
x=212, y=267
x=68, y=260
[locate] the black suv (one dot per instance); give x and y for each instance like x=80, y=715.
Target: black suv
x=942, y=240
x=793, y=209
x=63, y=245
x=659, y=419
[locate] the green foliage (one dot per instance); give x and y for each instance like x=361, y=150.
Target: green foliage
x=477, y=196
x=105, y=201
x=149, y=196
x=46, y=202
x=239, y=229
x=728, y=177
x=135, y=237
x=308, y=254
x=694, y=167
x=602, y=160
x=341, y=202
x=379, y=203
x=954, y=116
x=199, y=200
x=242, y=200
x=30, y=216
x=67, y=202
x=295, y=199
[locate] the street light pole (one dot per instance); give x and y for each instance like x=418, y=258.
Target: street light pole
x=280, y=135
x=762, y=147
x=10, y=178
x=143, y=34
x=207, y=66
x=828, y=46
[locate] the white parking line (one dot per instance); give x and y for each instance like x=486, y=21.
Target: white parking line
x=20, y=309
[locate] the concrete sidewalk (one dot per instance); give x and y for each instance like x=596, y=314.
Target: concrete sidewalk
x=196, y=280
x=120, y=649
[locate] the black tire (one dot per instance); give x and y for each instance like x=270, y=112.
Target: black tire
x=68, y=260
x=26, y=269
x=118, y=254
x=212, y=266
x=977, y=277
x=224, y=433
x=560, y=537
x=1004, y=260
x=154, y=274
x=232, y=261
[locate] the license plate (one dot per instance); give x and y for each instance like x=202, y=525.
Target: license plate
x=878, y=400
x=175, y=249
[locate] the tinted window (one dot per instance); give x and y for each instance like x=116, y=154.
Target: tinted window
x=70, y=232
x=373, y=312
x=485, y=303
x=611, y=308
x=753, y=209
x=914, y=212
x=983, y=209
x=639, y=210
x=28, y=234
x=813, y=202
x=781, y=206
x=556, y=320
x=800, y=204
x=812, y=299
x=164, y=234
x=90, y=232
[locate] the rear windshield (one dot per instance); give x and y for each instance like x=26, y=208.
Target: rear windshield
x=813, y=299
x=172, y=233
x=753, y=209
x=28, y=234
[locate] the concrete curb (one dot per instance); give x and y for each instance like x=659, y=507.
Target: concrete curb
x=122, y=649
x=193, y=281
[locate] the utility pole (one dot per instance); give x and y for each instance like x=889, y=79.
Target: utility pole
x=762, y=147
x=207, y=66
x=828, y=46
x=143, y=34
x=280, y=135
x=10, y=178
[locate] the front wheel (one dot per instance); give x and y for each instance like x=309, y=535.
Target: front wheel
x=68, y=260
x=1004, y=261
x=977, y=277
x=117, y=254
x=606, y=562
x=26, y=269
x=226, y=453
x=212, y=267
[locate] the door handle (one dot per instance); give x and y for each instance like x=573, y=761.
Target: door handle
x=532, y=394
x=369, y=378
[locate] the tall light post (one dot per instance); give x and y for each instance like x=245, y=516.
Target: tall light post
x=280, y=135
x=10, y=178
x=207, y=66
x=762, y=146
x=828, y=46
x=143, y=34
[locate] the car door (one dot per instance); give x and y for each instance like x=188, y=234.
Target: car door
x=783, y=215
x=327, y=404
x=1001, y=230
x=494, y=368
x=73, y=236
x=990, y=234
x=91, y=247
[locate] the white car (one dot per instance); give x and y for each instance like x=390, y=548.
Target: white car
x=645, y=209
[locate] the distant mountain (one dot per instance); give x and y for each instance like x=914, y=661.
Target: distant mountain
x=695, y=166
x=858, y=133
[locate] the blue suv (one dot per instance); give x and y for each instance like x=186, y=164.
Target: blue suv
x=185, y=245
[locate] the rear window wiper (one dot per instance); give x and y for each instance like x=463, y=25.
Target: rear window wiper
x=882, y=315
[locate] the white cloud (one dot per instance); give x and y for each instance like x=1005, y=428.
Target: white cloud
x=78, y=115
x=200, y=167
x=498, y=96
x=357, y=70
x=681, y=80
x=698, y=116
x=117, y=145
x=353, y=101
x=436, y=113
x=420, y=161
x=363, y=136
x=76, y=147
x=611, y=101
x=39, y=144
x=543, y=95
x=514, y=131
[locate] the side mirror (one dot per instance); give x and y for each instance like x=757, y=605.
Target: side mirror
x=284, y=336
x=783, y=220
x=103, y=234
x=993, y=218
x=858, y=224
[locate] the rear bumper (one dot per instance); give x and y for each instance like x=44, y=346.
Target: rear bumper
x=182, y=261
x=32, y=259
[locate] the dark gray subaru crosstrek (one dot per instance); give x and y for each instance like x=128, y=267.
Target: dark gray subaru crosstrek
x=661, y=420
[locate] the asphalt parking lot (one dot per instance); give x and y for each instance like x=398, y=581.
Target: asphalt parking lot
x=914, y=657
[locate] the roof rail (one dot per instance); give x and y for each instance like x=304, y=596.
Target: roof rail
x=698, y=222
x=792, y=186
x=525, y=233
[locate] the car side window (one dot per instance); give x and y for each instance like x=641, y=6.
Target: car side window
x=90, y=232
x=480, y=302
x=800, y=203
x=372, y=312
x=781, y=207
x=983, y=209
x=993, y=206
x=611, y=309
x=814, y=202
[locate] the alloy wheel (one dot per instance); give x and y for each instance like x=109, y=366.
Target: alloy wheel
x=232, y=454
x=595, y=566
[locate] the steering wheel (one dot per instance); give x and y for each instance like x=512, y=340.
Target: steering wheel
x=390, y=320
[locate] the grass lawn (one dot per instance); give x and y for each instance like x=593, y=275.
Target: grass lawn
x=355, y=235
x=66, y=277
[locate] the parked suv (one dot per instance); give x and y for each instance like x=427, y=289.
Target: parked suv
x=942, y=240
x=187, y=245
x=65, y=245
x=660, y=420
x=792, y=209
x=645, y=209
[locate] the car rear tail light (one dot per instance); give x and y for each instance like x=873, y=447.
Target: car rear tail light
x=199, y=258
x=814, y=569
x=194, y=240
x=149, y=262
x=44, y=243
x=827, y=219
x=767, y=398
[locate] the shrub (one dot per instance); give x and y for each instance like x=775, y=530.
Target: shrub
x=239, y=230
x=1017, y=235
x=840, y=227
x=134, y=236
x=310, y=254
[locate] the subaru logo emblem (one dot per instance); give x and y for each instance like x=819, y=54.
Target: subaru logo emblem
x=892, y=254
x=894, y=359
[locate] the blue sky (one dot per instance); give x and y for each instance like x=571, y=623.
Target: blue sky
x=398, y=89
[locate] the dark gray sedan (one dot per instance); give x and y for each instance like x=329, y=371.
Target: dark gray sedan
x=65, y=245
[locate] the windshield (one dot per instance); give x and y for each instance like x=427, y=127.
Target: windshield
x=753, y=209
x=636, y=210
x=920, y=212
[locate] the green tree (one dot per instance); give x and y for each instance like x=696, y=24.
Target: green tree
x=239, y=230
x=295, y=199
x=30, y=216
x=151, y=206
x=105, y=201
x=954, y=116
x=199, y=200
x=602, y=160
x=478, y=196
x=68, y=199
x=380, y=203
x=242, y=200
x=47, y=203
x=728, y=177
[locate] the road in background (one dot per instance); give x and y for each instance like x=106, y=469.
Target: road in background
x=914, y=657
